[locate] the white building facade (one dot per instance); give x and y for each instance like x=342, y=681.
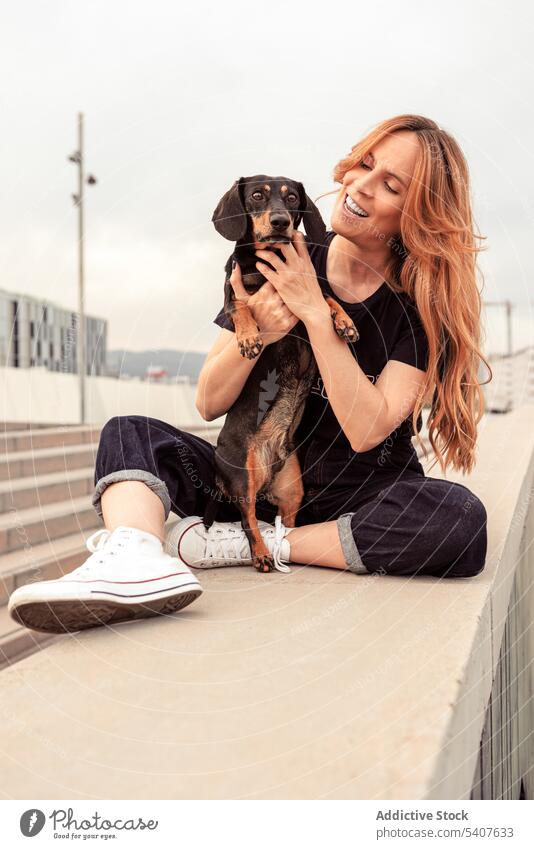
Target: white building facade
x=39, y=333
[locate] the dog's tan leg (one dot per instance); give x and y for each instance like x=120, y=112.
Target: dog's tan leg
x=287, y=490
x=246, y=330
x=343, y=324
x=256, y=476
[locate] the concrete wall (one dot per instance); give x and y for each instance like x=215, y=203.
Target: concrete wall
x=38, y=395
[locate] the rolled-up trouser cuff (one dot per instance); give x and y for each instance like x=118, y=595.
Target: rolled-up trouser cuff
x=155, y=484
x=350, y=551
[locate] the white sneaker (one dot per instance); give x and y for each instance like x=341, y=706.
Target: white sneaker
x=128, y=576
x=224, y=544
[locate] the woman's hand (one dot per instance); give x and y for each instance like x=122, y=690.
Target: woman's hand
x=270, y=313
x=295, y=280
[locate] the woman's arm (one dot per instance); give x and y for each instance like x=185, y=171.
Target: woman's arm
x=225, y=370
x=222, y=377
x=367, y=414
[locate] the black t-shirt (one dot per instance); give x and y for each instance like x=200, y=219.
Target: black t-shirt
x=390, y=329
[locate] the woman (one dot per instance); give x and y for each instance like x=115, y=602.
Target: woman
x=401, y=259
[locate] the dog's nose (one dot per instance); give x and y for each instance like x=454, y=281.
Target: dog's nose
x=279, y=222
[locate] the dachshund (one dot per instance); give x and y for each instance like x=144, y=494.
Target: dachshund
x=255, y=453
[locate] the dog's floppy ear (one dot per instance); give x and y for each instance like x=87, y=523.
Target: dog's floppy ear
x=311, y=218
x=230, y=217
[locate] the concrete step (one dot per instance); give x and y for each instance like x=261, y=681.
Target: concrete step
x=19, y=464
x=56, y=449
x=32, y=491
x=25, y=440
x=17, y=642
x=35, y=437
x=22, y=528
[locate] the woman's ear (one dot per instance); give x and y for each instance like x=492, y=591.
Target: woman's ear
x=230, y=218
x=311, y=218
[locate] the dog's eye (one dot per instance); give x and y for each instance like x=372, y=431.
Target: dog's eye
x=257, y=195
x=291, y=198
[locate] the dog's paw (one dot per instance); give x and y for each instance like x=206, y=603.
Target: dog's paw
x=344, y=327
x=263, y=563
x=250, y=346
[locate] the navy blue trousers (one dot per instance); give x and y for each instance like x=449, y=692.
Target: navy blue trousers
x=415, y=525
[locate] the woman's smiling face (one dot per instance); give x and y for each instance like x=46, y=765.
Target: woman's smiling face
x=377, y=186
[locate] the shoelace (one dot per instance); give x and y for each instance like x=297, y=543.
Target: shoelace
x=224, y=542
x=279, y=534
x=220, y=543
x=98, y=540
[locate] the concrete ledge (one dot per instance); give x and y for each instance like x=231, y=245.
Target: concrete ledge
x=318, y=684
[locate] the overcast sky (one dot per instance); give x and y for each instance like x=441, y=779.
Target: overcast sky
x=181, y=100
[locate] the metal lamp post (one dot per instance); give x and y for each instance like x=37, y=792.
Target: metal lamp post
x=78, y=198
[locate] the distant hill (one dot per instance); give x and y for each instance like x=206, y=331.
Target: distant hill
x=135, y=363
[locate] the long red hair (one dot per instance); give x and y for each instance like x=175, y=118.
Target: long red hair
x=434, y=262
